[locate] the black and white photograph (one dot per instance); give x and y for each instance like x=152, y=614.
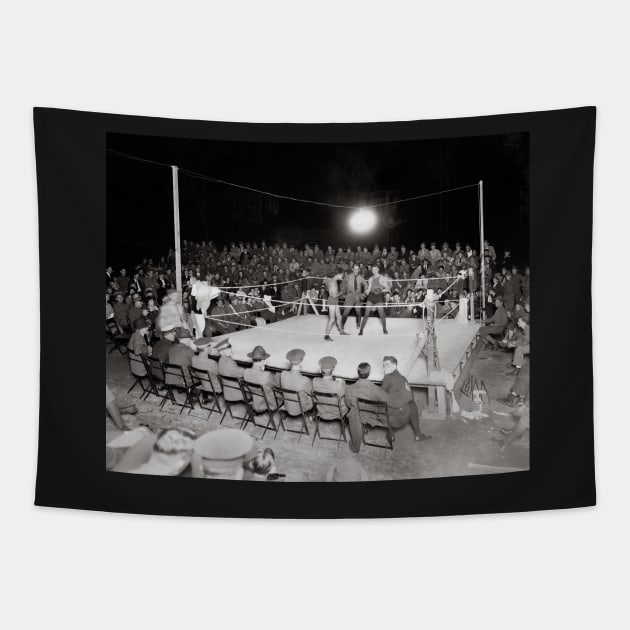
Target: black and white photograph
x=317, y=312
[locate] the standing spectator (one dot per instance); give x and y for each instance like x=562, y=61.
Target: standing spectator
x=121, y=311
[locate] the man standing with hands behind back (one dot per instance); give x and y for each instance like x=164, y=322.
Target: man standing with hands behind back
x=353, y=285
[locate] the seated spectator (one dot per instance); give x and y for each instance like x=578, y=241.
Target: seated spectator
x=181, y=353
x=259, y=376
x=229, y=367
x=138, y=345
x=328, y=384
x=135, y=310
x=496, y=324
x=203, y=361
x=363, y=388
x=296, y=381
x=162, y=348
x=402, y=407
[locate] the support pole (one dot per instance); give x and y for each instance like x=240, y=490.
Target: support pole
x=482, y=238
x=178, y=248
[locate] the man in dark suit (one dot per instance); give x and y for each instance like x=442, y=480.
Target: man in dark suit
x=367, y=390
x=402, y=406
x=353, y=285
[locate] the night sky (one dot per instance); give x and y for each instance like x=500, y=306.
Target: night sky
x=140, y=203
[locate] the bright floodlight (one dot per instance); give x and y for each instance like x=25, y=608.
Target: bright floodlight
x=363, y=220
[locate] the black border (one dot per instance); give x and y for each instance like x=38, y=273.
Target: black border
x=70, y=154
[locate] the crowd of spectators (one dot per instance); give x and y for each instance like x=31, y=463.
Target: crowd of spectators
x=256, y=283
x=268, y=281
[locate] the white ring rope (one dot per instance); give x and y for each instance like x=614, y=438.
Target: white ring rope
x=283, y=331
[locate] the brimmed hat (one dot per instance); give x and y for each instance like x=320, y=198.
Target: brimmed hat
x=327, y=363
x=203, y=342
x=258, y=354
x=221, y=452
x=224, y=344
x=140, y=323
x=169, y=328
x=295, y=356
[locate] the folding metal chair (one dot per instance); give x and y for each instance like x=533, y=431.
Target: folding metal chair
x=257, y=392
x=139, y=372
x=118, y=340
x=232, y=384
x=155, y=376
x=203, y=387
x=374, y=414
x=174, y=379
x=284, y=395
x=331, y=403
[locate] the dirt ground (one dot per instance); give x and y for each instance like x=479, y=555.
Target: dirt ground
x=456, y=443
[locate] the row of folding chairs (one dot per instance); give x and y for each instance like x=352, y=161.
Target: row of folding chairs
x=115, y=338
x=164, y=379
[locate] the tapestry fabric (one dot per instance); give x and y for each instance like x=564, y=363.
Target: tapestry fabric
x=315, y=320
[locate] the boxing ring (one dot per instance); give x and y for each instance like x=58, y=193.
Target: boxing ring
x=456, y=342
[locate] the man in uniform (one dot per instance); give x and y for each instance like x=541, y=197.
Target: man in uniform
x=123, y=280
x=367, y=390
x=296, y=381
x=138, y=341
x=182, y=354
x=259, y=376
x=121, y=311
x=496, y=324
x=353, y=285
x=328, y=384
x=377, y=285
x=229, y=367
x=203, y=361
x=135, y=310
x=162, y=347
x=241, y=308
x=401, y=405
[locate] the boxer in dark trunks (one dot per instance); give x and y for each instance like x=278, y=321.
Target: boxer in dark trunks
x=377, y=286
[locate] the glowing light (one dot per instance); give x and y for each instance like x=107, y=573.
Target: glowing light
x=363, y=220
